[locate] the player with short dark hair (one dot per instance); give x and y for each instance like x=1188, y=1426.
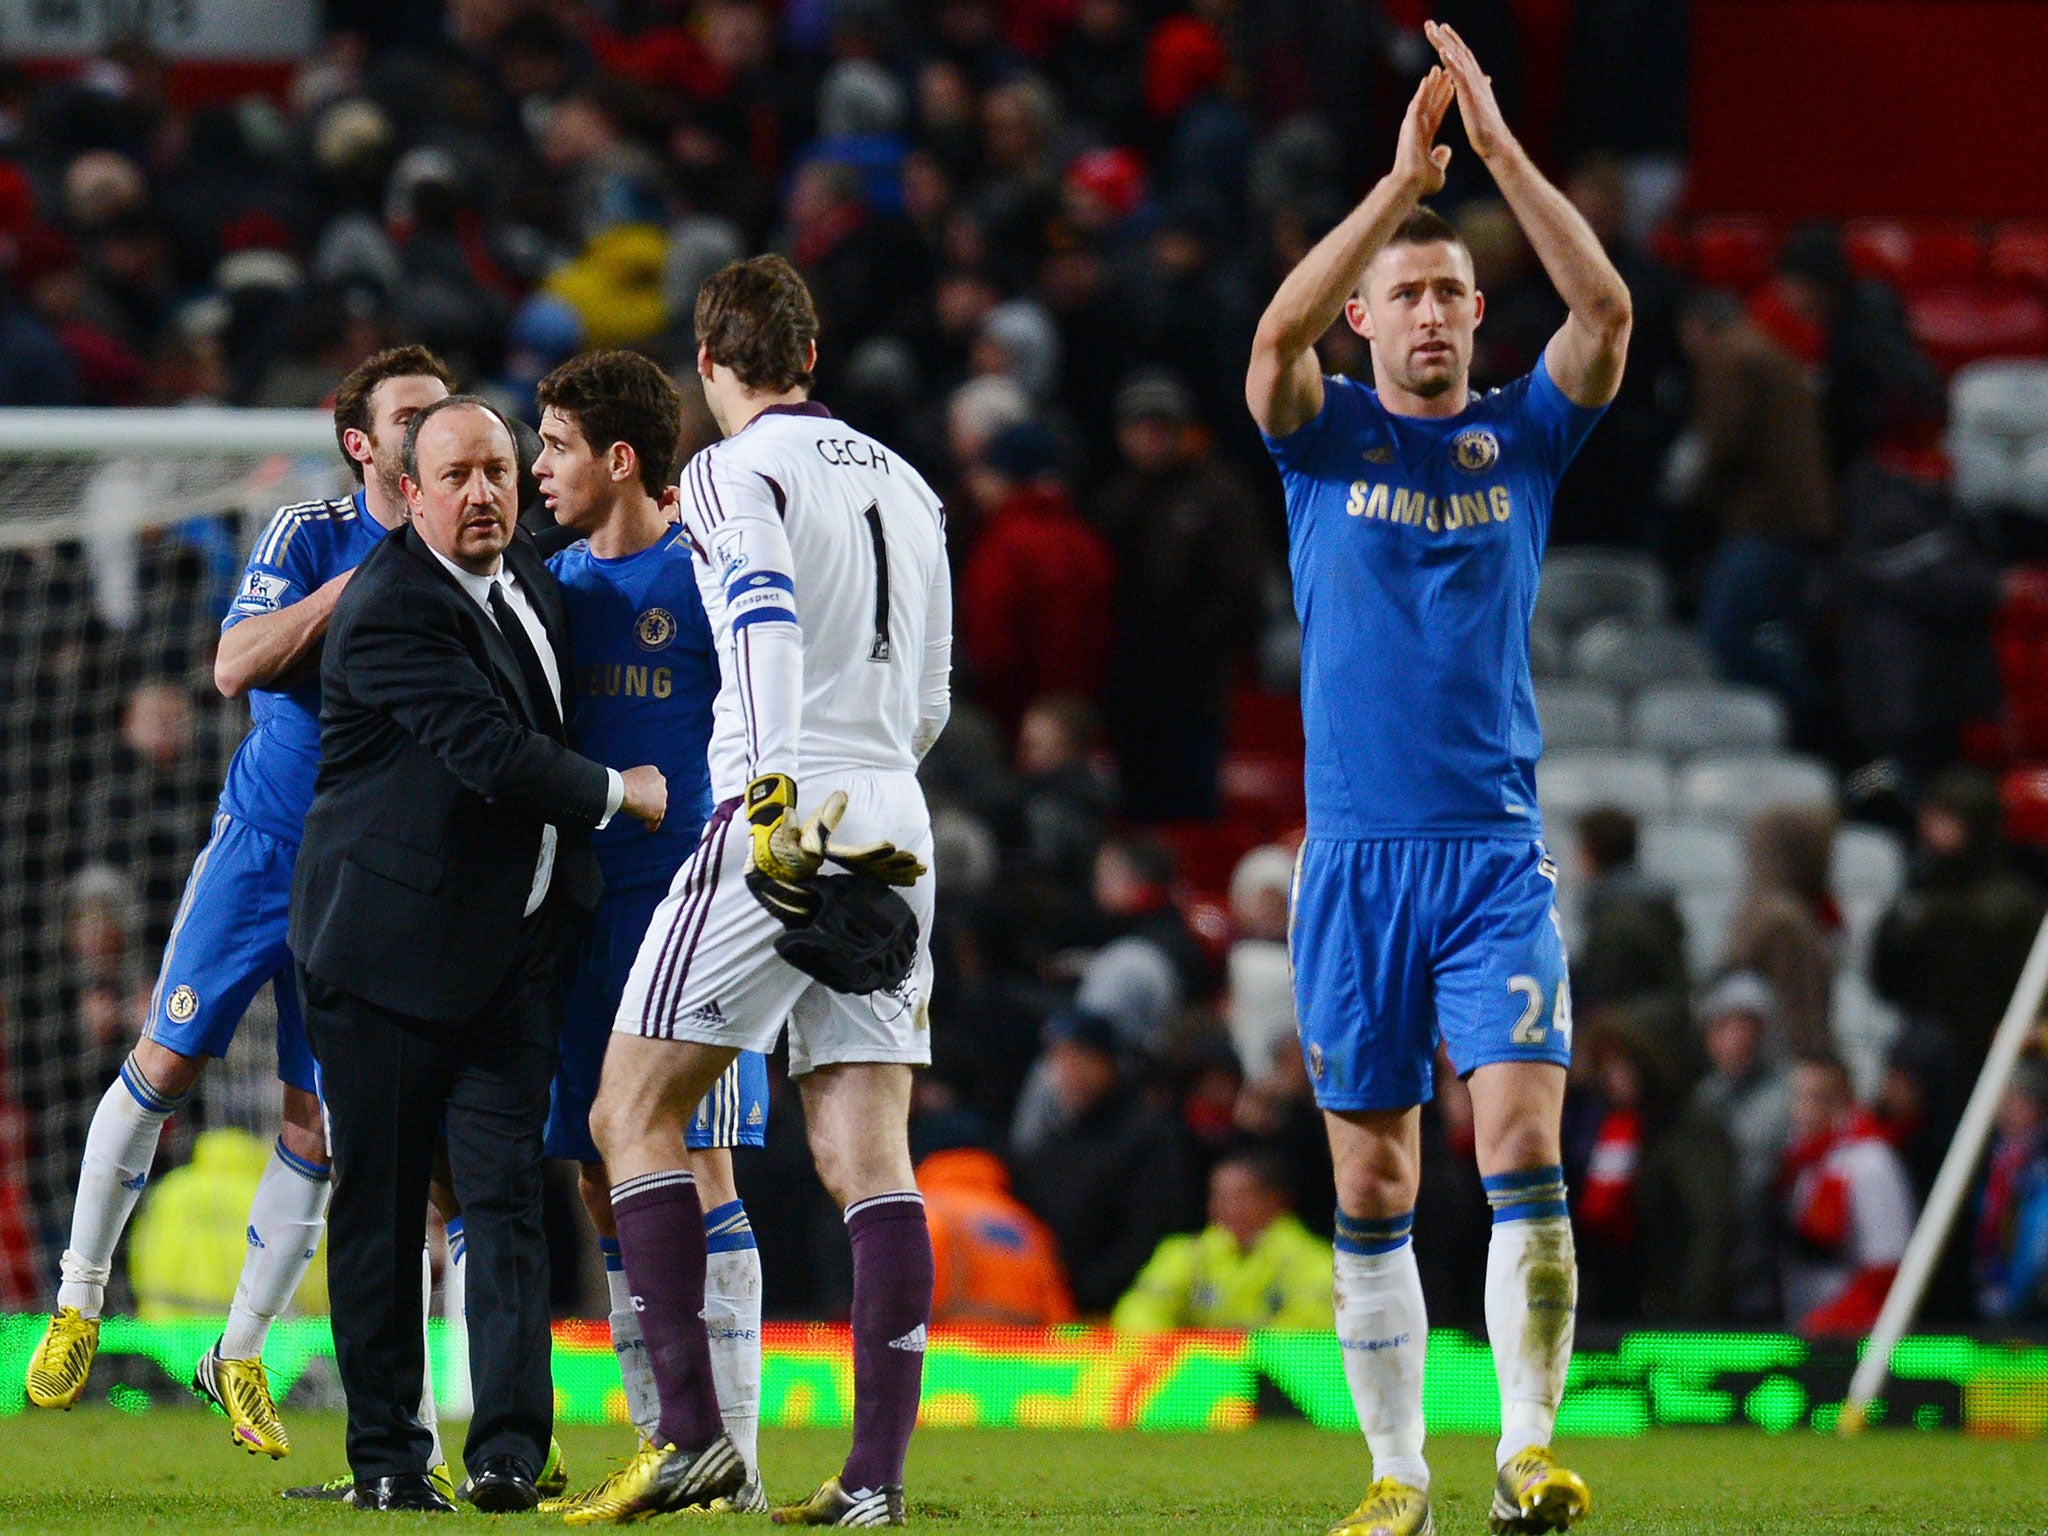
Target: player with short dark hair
x=1424, y=900
x=643, y=674
x=822, y=560
x=229, y=936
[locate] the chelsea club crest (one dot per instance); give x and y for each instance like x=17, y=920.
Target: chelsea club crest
x=654, y=629
x=1475, y=450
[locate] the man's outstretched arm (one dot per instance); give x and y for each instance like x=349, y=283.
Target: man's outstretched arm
x=1284, y=384
x=1587, y=354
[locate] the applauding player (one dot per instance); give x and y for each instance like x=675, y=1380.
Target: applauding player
x=643, y=675
x=229, y=937
x=822, y=560
x=1417, y=514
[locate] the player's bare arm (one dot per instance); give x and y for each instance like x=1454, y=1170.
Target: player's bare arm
x=1587, y=354
x=1284, y=384
x=262, y=651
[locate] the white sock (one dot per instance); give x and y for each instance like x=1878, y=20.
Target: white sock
x=285, y=1220
x=456, y=1394
x=119, y=1148
x=643, y=1402
x=1532, y=1292
x=429, y=1415
x=732, y=1316
x=1383, y=1329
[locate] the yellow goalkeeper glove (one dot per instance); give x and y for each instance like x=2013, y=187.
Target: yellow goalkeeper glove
x=783, y=850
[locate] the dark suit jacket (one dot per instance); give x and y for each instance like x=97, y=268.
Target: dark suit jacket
x=436, y=778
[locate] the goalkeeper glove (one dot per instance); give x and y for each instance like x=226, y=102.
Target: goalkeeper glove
x=784, y=851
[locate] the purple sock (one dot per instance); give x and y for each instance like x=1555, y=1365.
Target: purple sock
x=661, y=1235
x=892, y=1303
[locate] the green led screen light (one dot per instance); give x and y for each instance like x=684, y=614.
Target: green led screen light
x=1092, y=1378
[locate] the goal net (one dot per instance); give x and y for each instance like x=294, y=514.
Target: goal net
x=122, y=536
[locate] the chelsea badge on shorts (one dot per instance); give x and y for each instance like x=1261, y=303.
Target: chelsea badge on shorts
x=654, y=629
x=1475, y=450
x=181, y=1004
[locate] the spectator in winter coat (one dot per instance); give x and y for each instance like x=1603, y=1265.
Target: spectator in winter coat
x=2012, y=1221
x=1949, y=951
x=1033, y=615
x=1191, y=564
x=1107, y=1180
x=1254, y=1266
x=1784, y=927
x=1749, y=1097
x=1762, y=481
x=1848, y=1210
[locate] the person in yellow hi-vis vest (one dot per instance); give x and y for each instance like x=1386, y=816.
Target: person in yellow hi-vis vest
x=185, y=1250
x=1254, y=1266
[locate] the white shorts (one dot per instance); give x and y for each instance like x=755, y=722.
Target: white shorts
x=707, y=969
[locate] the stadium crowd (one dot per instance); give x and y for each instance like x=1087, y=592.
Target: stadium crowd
x=1040, y=233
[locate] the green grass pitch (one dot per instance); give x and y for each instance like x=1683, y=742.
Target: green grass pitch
x=173, y=1470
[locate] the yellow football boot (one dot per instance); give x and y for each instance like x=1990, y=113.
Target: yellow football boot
x=241, y=1390
x=61, y=1362
x=559, y=1502
x=833, y=1505
x=661, y=1478
x=1533, y=1493
x=1389, y=1508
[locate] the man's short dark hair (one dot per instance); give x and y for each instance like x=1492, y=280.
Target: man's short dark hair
x=620, y=397
x=1266, y=1166
x=1425, y=226
x=756, y=318
x=1609, y=836
x=409, y=456
x=352, y=397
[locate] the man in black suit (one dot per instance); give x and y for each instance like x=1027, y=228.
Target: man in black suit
x=445, y=867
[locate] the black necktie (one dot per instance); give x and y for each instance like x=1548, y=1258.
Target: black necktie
x=530, y=668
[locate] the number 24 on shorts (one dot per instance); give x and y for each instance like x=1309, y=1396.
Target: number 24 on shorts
x=1529, y=1028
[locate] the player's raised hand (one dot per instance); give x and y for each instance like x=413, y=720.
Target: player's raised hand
x=1485, y=125
x=1418, y=159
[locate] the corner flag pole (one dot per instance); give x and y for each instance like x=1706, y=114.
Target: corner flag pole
x=1950, y=1185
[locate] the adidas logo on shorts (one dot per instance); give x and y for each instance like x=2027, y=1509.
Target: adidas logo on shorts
x=710, y=1013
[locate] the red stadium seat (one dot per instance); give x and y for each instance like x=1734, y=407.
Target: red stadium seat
x=1731, y=250
x=1958, y=324
x=2019, y=254
x=1913, y=256
x=1263, y=789
x=2019, y=634
x=2024, y=792
x=1206, y=852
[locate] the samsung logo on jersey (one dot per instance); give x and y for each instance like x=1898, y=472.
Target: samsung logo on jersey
x=1434, y=514
x=611, y=681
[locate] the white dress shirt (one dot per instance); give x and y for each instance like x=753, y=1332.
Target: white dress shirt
x=479, y=589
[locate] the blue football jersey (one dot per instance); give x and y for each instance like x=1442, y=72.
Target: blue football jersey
x=270, y=780
x=642, y=677
x=1415, y=546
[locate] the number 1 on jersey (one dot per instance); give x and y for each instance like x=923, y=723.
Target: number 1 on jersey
x=879, y=651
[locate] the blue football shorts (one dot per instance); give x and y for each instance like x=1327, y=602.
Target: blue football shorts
x=1401, y=942
x=733, y=1114
x=227, y=940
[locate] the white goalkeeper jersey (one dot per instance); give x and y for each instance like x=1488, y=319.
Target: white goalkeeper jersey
x=821, y=556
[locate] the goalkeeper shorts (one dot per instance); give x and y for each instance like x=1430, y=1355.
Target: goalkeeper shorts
x=733, y=1114
x=707, y=969
x=227, y=940
x=1401, y=942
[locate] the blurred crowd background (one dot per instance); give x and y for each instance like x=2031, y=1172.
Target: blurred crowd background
x=1791, y=659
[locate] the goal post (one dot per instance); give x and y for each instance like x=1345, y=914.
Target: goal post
x=1951, y=1185
x=123, y=534
x=171, y=466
